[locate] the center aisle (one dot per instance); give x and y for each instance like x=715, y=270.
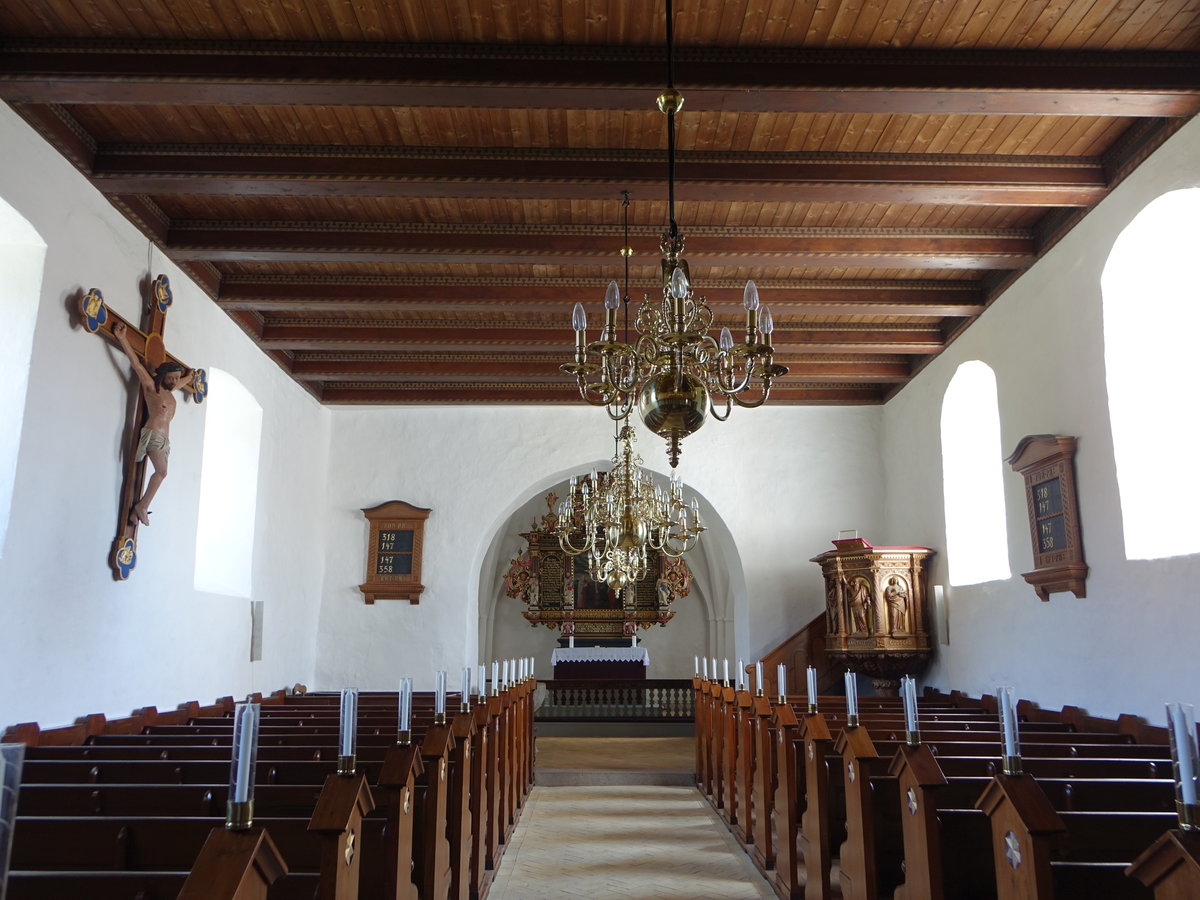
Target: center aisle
x=627, y=841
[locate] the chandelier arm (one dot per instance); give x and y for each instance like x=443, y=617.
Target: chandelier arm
x=728, y=409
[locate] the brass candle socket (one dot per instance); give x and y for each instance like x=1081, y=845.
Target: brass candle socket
x=852, y=721
x=912, y=738
x=239, y=816
x=439, y=718
x=1189, y=816
x=346, y=764
x=1012, y=766
x=404, y=738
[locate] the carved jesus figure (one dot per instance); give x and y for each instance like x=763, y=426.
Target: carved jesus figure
x=160, y=409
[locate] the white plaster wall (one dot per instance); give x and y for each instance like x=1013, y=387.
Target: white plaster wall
x=74, y=641
x=783, y=480
x=1131, y=644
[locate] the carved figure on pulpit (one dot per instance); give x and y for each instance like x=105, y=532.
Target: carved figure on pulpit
x=860, y=605
x=160, y=403
x=831, y=605
x=895, y=596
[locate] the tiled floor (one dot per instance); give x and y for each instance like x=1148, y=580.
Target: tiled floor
x=624, y=842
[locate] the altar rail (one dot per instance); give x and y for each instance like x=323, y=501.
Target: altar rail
x=662, y=700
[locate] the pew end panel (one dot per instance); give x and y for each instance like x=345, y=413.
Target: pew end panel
x=1024, y=828
x=1170, y=866
x=234, y=865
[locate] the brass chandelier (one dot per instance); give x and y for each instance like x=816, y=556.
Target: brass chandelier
x=618, y=517
x=675, y=372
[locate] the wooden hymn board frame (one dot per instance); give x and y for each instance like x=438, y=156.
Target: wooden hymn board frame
x=1047, y=462
x=394, y=552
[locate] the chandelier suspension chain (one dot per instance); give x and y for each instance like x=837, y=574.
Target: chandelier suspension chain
x=674, y=228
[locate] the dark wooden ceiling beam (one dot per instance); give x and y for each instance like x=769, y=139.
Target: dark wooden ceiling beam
x=557, y=77
x=599, y=174
x=833, y=298
x=516, y=340
x=518, y=394
x=884, y=371
x=487, y=245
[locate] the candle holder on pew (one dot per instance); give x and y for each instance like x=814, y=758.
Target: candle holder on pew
x=908, y=691
x=781, y=683
x=404, y=721
x=851, y=699
x=810, y=677
x=1181, y=729
x=439, y=697
x=239, y=807
x=348, y=732
x=758, y=680
x=464, y=694
x=481, y=700
x=495, y=678
x=1011, y=764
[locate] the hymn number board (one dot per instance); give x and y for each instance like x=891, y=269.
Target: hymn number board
x=397, y=532
x=1046, y=462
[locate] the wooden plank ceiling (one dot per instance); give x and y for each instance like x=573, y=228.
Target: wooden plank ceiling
x=401, y=201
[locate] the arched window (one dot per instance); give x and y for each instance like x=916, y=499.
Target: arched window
x=1151, y=307
x=972, y=477
x=22, y=255
x=228, y=487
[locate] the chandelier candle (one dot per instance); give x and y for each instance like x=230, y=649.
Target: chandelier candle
x=1008, y=724
x=851, y=699
x=811, y=679
x=758, y=679
x=404, y=722
x=781, y=682
x=239, y=809
x=908, y=692
x=464, y=696
x=439, y=697
x=1181, y=726
x=347, y=731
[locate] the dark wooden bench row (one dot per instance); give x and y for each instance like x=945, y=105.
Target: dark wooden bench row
x=447, y=804
x=823, y=808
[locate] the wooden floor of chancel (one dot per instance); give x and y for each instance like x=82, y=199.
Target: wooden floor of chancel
x=623, y=841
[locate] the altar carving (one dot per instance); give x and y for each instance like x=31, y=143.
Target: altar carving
x=876, y=610
x=558, y=593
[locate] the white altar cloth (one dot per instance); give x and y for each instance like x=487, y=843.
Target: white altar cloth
x=600, y=654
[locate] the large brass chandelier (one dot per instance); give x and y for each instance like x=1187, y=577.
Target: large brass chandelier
x=675, y=371
x=618, y=517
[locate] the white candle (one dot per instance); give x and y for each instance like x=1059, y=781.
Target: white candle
x=741, y=674
x=908, y=687
x=481, y=677
x=1183, y=736
x=725, y=676
x=696, y=664
x=714, y=668
x=495, y=677
x=812, y=686
x=465, y=692
x=633, y=640
x=348, y=720
x=405, y=720
x=852, y=696
x=706, y=668
x=439, y=692
x=1008, y=722
x=246, y=726
x=504, y=676
x=532, y=664
x=781, y=681
x=512, y=671
x=758, y=677
x=571, y=642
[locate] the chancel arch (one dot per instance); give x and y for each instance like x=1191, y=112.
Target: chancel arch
x=1149, y=360
x=22, y=257
x=706, y=621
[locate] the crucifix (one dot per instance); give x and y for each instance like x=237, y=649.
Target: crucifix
x=159, y=372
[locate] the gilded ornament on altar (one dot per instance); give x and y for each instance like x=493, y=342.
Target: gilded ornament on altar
x=559, y=593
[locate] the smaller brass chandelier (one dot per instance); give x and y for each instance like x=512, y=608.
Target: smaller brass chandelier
x=619, y=517
x=675, y=372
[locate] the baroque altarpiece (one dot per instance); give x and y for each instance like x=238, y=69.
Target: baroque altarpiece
x=559, y=594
